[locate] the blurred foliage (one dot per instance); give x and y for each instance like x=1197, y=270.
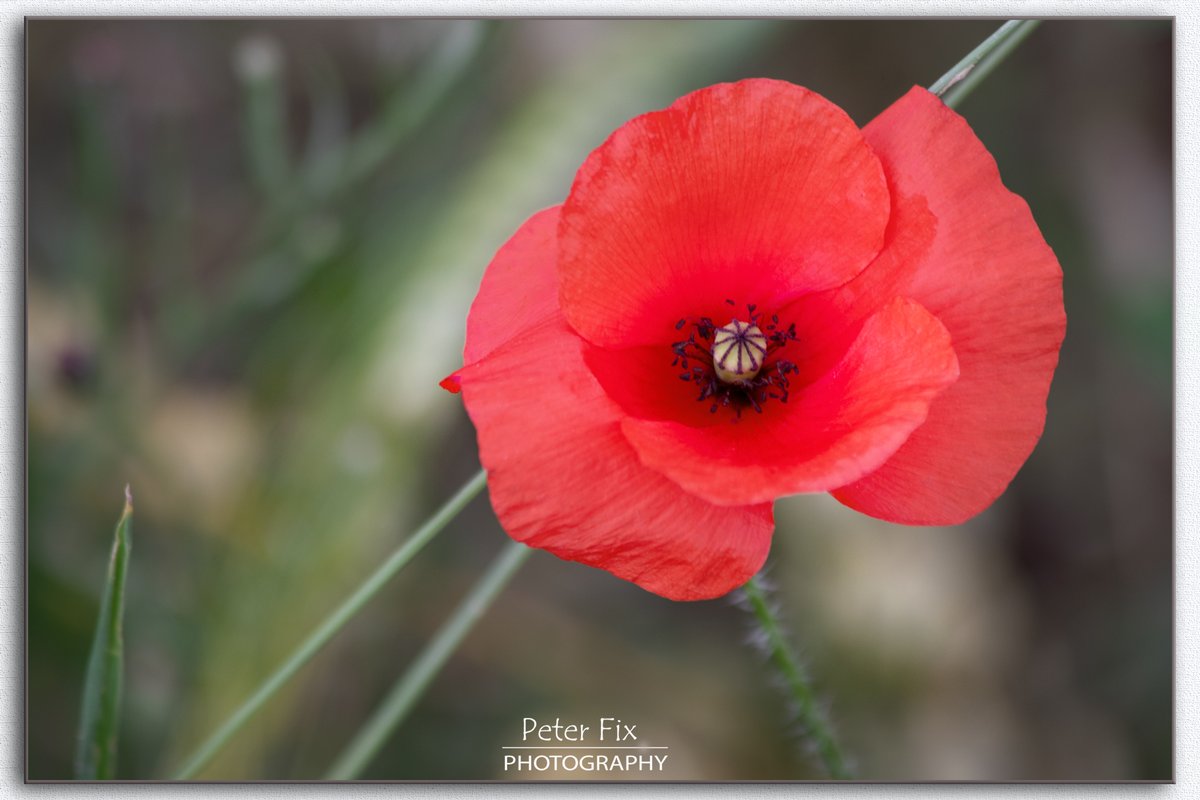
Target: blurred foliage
x=251, y=248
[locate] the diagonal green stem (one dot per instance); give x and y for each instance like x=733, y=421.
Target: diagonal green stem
x=332, y=624
x=812, y=718
x=408, y=690
x=963, y=77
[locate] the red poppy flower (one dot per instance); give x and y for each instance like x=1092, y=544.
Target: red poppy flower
x=745, y=296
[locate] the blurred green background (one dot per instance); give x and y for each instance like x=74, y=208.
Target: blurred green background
x=232, y=226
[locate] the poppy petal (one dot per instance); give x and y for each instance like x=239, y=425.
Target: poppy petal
x=519, y=289
x=827, y=322
x=756, y=191
x=563, y=478
x=832, y=431
x=643, y=382
x=992, y=280
x=560, y=474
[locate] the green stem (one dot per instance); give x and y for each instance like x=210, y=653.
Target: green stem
x=334, y=623
x=963, y=77
x=412, y=684
x=815, y=724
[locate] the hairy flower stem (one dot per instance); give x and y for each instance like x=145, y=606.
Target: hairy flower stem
x=816, y=726
x=963, y=77
x=332, y=624
x=408, y=690
x=952, y=88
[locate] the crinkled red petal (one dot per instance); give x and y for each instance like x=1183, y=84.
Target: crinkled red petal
x=832, y=431
x=560, y=474
x=827, y=322
x=756, y=191
x=992, y=280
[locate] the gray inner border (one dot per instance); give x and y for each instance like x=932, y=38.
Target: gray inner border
x=1187, y=374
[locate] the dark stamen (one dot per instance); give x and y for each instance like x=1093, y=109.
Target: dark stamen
x=770, y=383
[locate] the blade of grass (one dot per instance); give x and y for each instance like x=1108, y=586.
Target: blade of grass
x=408, y=690
x=332, y=624
x=963, y=77
x=96, y=747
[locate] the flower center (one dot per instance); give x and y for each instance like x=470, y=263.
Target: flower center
x=738, y=351
x=735, y=366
